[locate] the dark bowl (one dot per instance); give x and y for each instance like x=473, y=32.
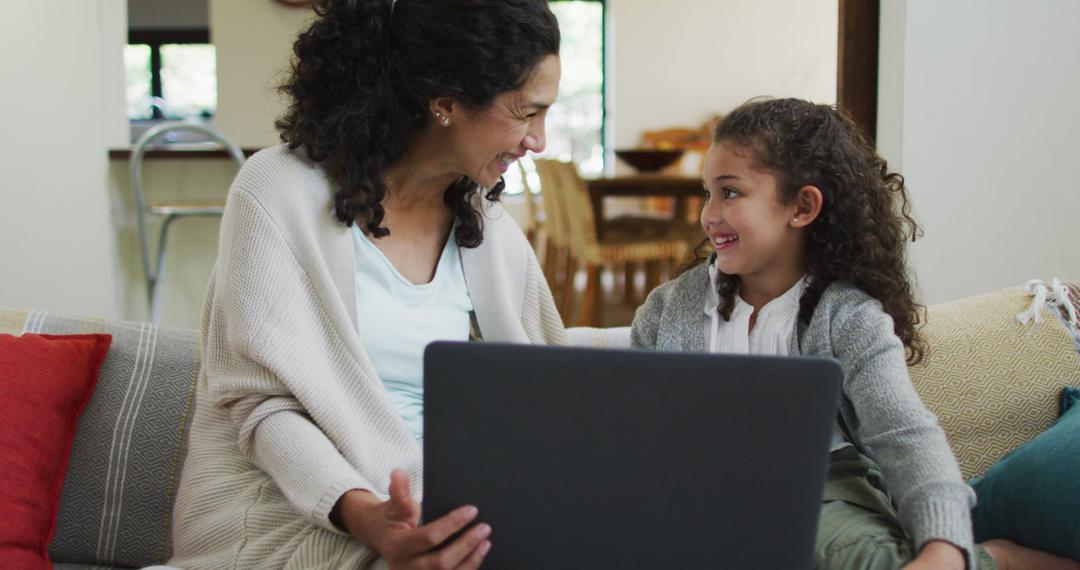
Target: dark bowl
x=648, y=160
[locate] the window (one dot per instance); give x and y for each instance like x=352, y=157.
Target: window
x=575, y=124
x=137, y=78
x=170, y=74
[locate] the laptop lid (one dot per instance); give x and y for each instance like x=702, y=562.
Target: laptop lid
x=601, y=458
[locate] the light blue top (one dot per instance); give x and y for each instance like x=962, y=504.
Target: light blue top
x=399, y=319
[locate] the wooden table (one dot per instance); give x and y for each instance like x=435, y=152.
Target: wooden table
x=642, y=186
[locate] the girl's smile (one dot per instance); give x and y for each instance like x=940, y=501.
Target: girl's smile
x=724, y=241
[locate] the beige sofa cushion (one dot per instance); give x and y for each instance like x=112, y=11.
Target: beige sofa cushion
x=992, y=381
x=12, y=321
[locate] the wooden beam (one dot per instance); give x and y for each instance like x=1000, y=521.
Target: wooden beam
x=857, y=62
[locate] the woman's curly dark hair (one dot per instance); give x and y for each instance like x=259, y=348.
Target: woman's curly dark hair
x=364, y=72
x=865, y=221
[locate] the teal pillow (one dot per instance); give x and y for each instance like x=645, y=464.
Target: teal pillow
x=1032, y=496
x=1069, y=398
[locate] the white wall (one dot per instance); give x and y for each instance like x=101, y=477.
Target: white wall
x=56, y=244
x=114, y=32
x=890, y=128
x=678, y=62
x=253, y=41
x=982, y=115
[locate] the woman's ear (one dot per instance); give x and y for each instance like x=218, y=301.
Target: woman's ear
x=442, y=110
x=808, y=203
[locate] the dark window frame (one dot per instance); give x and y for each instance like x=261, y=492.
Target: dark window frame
x=155, y=38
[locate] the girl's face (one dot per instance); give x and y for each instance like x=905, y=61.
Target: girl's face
x=753, y=233
x=487, y=142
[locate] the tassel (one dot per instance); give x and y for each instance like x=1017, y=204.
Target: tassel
x=1060, y=296
x=1056, y=296
x=1037, y=288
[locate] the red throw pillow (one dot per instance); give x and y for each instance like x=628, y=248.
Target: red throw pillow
x=45, y=382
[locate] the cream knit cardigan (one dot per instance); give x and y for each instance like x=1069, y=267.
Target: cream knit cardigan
x=289, y=412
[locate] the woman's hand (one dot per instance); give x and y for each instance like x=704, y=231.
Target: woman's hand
x=938, y=555
x=391, y=529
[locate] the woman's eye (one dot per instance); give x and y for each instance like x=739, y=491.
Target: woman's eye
x=730, y=193
x=705, y=192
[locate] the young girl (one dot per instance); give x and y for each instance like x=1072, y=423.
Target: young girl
x=807, y=230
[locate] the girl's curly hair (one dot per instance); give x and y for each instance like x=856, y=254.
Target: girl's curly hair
x=364, y=72
x=865, y=221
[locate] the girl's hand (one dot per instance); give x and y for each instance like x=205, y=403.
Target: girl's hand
x=392, y=529
x=938, y=555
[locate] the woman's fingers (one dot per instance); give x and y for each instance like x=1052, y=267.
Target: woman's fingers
x=465, y=548
x=476, y=557
x=435, y=533
x=466, y=552
x=402, y=507
x=399, y=484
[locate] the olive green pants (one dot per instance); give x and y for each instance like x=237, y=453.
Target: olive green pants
x=858, y=528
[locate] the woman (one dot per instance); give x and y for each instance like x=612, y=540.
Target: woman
x=371, y=232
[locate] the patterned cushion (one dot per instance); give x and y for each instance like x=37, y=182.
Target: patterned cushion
x=46, y=380
x=992, y=381
x=116, y=506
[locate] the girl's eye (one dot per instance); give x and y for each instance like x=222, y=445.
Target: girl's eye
x=705, y=192
x=730, y=193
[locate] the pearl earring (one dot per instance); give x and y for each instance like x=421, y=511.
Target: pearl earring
x=443, y=119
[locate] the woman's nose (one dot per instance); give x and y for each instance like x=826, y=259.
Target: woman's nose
x=535, y=140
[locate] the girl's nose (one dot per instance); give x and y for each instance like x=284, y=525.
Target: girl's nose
x=711, y=215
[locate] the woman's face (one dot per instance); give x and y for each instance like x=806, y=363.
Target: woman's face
x=489, y=141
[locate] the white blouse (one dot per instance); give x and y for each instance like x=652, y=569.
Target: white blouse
x=772, y=332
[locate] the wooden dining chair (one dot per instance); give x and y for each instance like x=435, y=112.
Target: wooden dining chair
x=561, y=181
x=535, y=230
x=557, y=255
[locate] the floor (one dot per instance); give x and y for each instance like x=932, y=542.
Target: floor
x=615, y=309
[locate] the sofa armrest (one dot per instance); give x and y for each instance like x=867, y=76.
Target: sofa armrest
x=587, y=337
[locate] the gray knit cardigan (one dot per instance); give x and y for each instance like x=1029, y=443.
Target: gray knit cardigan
x=880, y=409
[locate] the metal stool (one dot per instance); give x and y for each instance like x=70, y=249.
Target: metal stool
x=170, y=212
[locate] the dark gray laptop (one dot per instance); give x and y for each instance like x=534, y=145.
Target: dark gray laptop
x=584, y=458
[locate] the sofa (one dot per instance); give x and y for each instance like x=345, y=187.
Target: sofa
x=991, y=379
